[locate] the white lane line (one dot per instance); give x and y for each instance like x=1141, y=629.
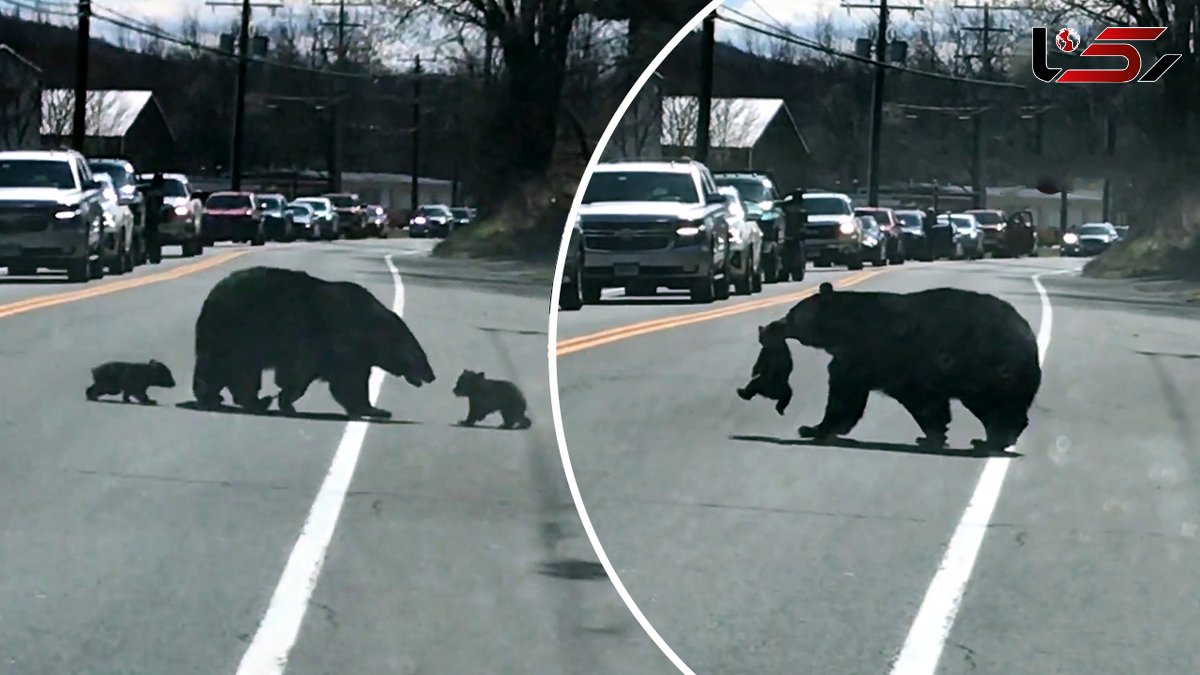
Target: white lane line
x=927, y=637
x=268, y=652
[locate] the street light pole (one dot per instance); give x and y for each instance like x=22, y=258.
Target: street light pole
x=83, y=42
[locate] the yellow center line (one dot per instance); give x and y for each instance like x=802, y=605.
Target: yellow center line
x=611, y=335
x=43, y=301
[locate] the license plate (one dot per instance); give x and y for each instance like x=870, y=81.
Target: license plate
x=10, y=251
x=625, y=269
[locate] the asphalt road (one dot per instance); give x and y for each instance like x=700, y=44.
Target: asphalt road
x=753, y=552
x=141, y=539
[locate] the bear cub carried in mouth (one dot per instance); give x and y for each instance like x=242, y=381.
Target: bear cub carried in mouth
x=771, y=370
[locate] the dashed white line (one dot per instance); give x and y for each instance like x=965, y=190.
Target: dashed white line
x=277, y=632
x=927, y=637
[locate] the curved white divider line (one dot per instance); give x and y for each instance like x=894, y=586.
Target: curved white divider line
x=552, y=340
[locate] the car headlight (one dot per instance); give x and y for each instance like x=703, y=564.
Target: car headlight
x=766, y=205
x=1001, y=226
x=67, y=214
x=689, y=230
x=1069, y=238
x=181, y=210
x=419, y=220
x=847, y=228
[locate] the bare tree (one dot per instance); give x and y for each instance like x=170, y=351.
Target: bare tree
x=102, y=108
x=731, y=122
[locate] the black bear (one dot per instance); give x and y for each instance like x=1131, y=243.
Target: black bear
x=304, y=328
x=769, y=377
x=130, y=380
x=485, y=397
x=922, y=349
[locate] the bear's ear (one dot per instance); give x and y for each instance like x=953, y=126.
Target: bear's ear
x=155, y=363
x=761, y=330
x=826, y=289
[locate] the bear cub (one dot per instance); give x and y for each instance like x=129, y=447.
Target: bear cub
x=130, y=380
x=769, y=377
x=486, y=396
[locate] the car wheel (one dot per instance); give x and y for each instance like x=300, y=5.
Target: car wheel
x=79, y=271
x=770, y=268
x=96, y=268
x=591, y=293
x=744, y=285
x=260, y=238
x=723, y=289
x=704, y=289
x=123, y=263
x=756, y=281
x=854, y=261
x=570, y=297
x=900, y=258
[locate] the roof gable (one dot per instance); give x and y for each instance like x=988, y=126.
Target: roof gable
x=736, y=122
x=5, y=49
x=111, y=112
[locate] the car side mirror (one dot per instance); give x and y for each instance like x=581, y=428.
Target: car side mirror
x=715, y=199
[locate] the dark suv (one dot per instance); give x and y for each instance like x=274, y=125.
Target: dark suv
x=351, y=215
x=780, y=257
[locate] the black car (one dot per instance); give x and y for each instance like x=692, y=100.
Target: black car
x=570, y=294
x=352, y=217
x=1089, y=239
x=278, y=222
x=912, y=230
x=125, y=180
x=377, y=221
x=433, y=220
x=762, y=201
x=462, y=216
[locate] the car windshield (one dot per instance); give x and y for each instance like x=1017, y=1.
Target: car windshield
x=271, y=204
x=439, y=211
x=298, y=209
x=36, y=173
x=1094, y=230
x=962, y=222
x=117, y=170
x=827, y=206
x=988, y=217
x=317, y=206
x=173, y=187
x=909, y=221
x=641, y=186
x=229, y=202
x=343, y=201
x=461, y=213
x=751, y=190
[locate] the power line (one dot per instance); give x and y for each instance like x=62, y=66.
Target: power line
x=808, y=44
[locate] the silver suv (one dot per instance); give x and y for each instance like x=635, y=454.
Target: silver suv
x=650, y=224
x=51, y=214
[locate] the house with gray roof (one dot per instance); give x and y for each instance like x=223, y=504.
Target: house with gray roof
x=745, y=134
x=127, y=123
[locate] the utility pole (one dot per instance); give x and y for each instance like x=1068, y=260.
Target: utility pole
x=877, y=91
x=1110, y=148
x=415, y=190
x=979, y=137
x=704, y=118
x=239, y=104
x=339, y=123
x=83, y=42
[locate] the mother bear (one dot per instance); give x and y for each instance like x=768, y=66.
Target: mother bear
x=304, y=328
x=922, y=349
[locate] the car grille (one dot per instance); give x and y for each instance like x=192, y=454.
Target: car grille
x=821, y=232
x=627, y=237
x=19, y=219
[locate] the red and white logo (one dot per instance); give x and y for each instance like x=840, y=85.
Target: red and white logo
x=1111, y=42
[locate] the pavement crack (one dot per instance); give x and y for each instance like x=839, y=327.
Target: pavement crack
x=176, y=479
x=968, y=656
x=330, y=613
x=850, y=515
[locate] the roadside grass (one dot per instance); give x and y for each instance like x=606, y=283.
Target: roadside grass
x=1153, y=255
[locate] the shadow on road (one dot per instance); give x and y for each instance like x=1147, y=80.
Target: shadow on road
x=36, y=281
x=577, y=570
x=319, y=417
x=879, y=446
x=489, y=427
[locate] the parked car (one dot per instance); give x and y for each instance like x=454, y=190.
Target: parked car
x=351, y=215
x=277, y=222
x=462, y=216
x=655, y=223
x=182, y=214
x=912, y=229
x=304, y=221
x=1089, y=239
x=118, y=228
x=51, y=214
x=834, y=235
x=968, y=236
x=1122, y=231
x=431, y=220
x=761, y=200
x=125, y=180
x=894, y=240
x=874, y=241
x=233, y=216
x=570, y=293
x=745, y=245
x=377, y=221
x=325, y=218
